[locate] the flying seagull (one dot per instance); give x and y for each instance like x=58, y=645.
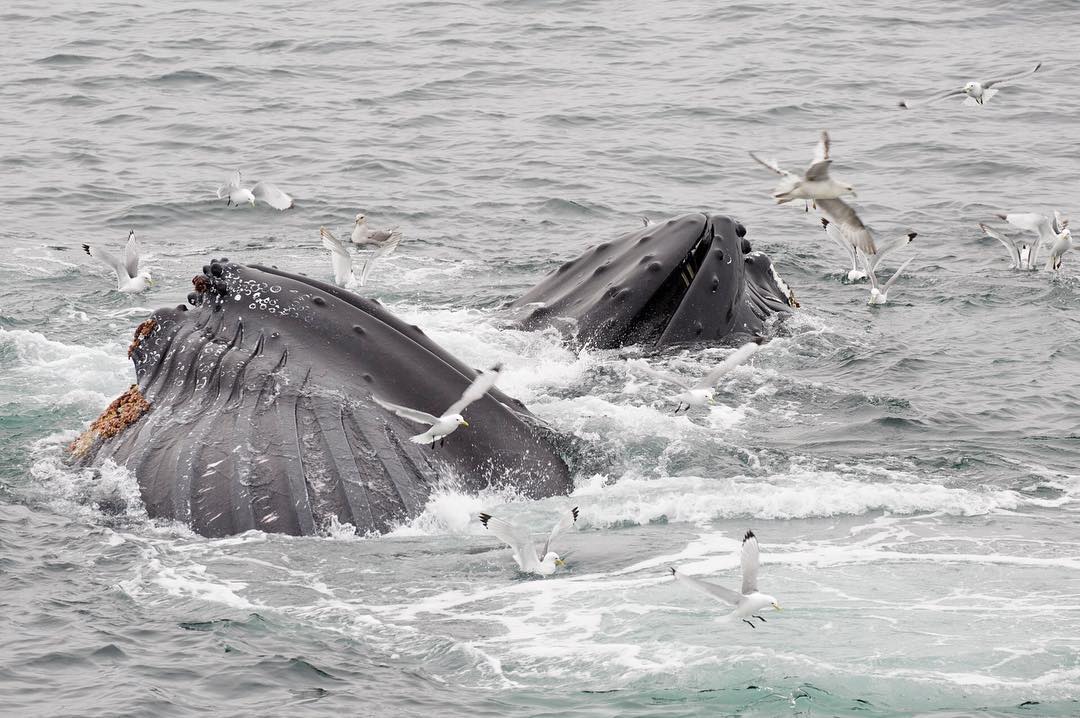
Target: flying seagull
x=381, y=241
x=1025, y=255
x=844, y=241
x=128, y=277
x=879, y=293
x=704, y=391
x=340, y=258
x=444, y=425
x=814, y=184
x=748, y=601
x=234, y=193
x=978, y=92
x=524, y=551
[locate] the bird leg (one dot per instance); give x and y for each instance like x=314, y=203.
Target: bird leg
x=442, y=441
x=749, y=623
x=762, y=619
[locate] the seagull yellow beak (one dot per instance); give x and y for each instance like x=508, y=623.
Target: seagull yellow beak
x=464, y=423
x=776, y=606
x=560, y=562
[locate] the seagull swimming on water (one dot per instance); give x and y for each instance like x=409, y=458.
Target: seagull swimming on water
x=444, y=425
x=978, y=92
x=844, y=241
x=128, y=277
x=382, y=242
x=519, y=539
x=234, y=193
x=748, y=601
x=814, y=183
x=704, y=391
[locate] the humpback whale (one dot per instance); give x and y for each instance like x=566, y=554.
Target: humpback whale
x=693, y=278
x=254, y=410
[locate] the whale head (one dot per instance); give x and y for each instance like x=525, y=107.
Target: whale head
x=692, y=278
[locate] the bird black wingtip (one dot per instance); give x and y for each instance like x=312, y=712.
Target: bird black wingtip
x=903, y=103
x=824, y=222
x=749, y=535
x=912, y=235
x=574, y=511
x=1037, y=67
x=672, y=569
x=484, y=518
x=86, y=248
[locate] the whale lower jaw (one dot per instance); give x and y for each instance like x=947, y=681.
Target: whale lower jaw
x=654, y=318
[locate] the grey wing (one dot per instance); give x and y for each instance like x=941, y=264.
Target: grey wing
x=842, y=214
x=737, y=357
x=1010, y=78
x=480, y=386
x=340, y=258
x=131, y=255
x=662, y=376
x=832, y=231
x=1061, y=222
x=273, y=196
x=232, y=183
x=107, y=257
x=709, y=589
x=749, y=561
x=772, y=166
x=818, y=171
x=1014, y=252
x=514, y=536
x=821, y=150
x=896, y=275
x=869, y=266
x=891, y=245
x=907, y=104
x=420, y=417
x=568, y=519
x=387, y=240
x=369, y=264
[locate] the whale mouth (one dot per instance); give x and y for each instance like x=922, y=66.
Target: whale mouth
x=650, y=322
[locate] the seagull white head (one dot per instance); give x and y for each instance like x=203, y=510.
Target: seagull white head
x=147, y=279
x=360, y=218
x=553, y=558
x=973, y=89
x=850, y=190
x=458, y=419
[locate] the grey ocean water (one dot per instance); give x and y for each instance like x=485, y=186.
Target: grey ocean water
x=910, y=469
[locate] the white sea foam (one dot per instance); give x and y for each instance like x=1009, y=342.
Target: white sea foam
x=50, y=373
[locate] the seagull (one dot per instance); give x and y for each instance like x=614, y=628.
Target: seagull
x=1025, y=255
x=843, y=240
x=383, y=242
x=233, y=192
x=340, y=258
x=519, y=539
x=704, y=391
x=879, y=294
x=814, y=184
x=747, y=601
x=128, y=277
x=451, y=419
x=1062, y=245
x=978, y=93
